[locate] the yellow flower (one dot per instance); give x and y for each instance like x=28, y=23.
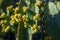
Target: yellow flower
x=19, y=16
x=3, y=15
x=35, y=30
x=15, y=15
x=25, y=9
x=12, y=16
x=26, y=26
x=25, y=18
x=38, y=3
x=20, y=19
x=3, y=25
x=25, y=23
x=3, y=29
x=12, y=22
x=13, y=19
x=16, y=10
x=35, y=26
x=37, y=17
x=32, y=29
x=7, y=29
x=34, y=18
x=3, y=21
x=10, y=7
x=17, y=20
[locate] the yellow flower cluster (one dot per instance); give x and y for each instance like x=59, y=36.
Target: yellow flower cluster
x=3, y=24
x=12, y=22
x=38, y=3
x=3, y=15
x=25, y=20
x=6, y=29
x=37, y=17
x=25, y=9
x=36, y=28
x=15, y=19
x=3, y=21
x=26, y=24
x=16, y=10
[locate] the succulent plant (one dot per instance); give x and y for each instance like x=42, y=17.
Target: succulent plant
x=23, y=19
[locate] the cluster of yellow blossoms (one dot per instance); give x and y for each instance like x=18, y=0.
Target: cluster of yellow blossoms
x=15, y=19
x=25, y=9
x=38, y=3
x=25, y=20
x=16, y=10
x=37, y=17
x=6, y=28
x=35, y=28
x=3, y=23
x=3, y=15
